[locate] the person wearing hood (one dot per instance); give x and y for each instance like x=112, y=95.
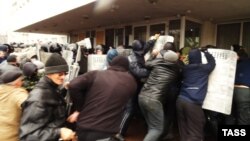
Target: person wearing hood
x=99, y=98
x=31, y=78
x=12, y=95
x=164, y=71
x=190, y=116
x=140, y=72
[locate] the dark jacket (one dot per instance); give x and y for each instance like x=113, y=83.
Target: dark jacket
x=4, y=67
x=195, y=77
x=163, y=73
x=43, y=113
x=242, y=76
x=136, y=59
x=101, y=96
x=137, y=67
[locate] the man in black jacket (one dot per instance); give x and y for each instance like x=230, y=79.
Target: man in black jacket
x=44, y=112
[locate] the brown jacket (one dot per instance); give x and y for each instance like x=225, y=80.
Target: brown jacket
x=101, y=96
x=11, y=99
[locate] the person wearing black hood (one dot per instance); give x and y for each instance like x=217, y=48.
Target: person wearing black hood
x=190, y=116
x=138, y=70
x=31, y=78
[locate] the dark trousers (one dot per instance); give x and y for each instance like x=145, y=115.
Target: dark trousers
x=128, y=114
x=170, y=112
x=86, y=135
x=191, y=121
x=241, y=105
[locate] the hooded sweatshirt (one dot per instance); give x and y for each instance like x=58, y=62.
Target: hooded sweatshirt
x=195, y=77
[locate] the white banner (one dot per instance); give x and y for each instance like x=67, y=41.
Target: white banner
x=97, y=62
x=68, y=56
x=124, y=52
x=160, y=42
x=221, y=82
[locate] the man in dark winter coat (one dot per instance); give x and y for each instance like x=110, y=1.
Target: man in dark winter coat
x=99, y=98
x=164, y=71
x=191, y=118
x=44, y=112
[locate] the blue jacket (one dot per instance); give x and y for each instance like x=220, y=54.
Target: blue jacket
x=195, y=77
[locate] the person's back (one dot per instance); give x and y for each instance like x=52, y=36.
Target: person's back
x=163, y=73
x=100, y=97
x=195, y=77
x=190, y=115
x=11, y=98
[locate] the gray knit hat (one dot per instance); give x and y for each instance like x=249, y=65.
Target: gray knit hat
x=170, y=56
x=55, y=64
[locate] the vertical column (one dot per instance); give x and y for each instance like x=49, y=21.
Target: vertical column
x=182, y=32
x=241, y=33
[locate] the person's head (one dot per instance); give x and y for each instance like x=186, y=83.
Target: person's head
x=121, y=62
x=242, y=54
x=137, y=45
x=99, y=49
x=29, y=69
x=12, y=59
x=13, y=77
x=111, y=54
x=56, y=68
x=194, y=56
x=170, y=56
x=3, y=51
x=169, y=46
x=235, y=47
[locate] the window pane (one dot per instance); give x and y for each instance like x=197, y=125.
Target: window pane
x=119, y=36
x=246, y=37
x=227, y=35
x=157, y=29
x=192, y=34
x=109, y=37
x=140, y=33
x=174, y=30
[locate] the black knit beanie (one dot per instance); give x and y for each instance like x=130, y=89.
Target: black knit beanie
x=55, y=64
x=10, y=76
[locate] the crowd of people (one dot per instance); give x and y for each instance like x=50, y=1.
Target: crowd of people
x=162, y=89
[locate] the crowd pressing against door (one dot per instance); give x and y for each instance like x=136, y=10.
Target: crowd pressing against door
x=169, y=86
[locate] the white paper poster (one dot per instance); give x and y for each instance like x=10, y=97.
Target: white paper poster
x=221, y=82
x=97, y=62
x=68, y=56
x=160, y=42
